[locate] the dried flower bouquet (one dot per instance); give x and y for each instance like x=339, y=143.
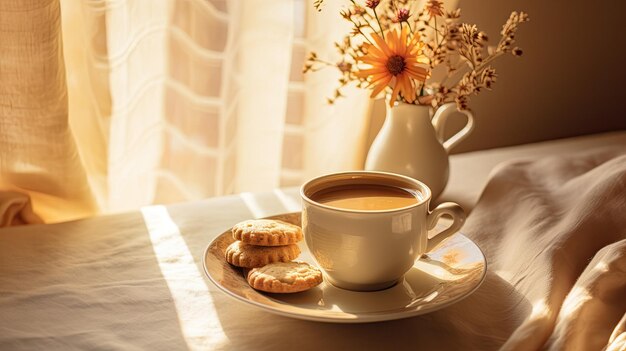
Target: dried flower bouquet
x=392, y=50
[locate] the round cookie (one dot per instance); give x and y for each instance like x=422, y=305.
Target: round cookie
x=284, y=277
x=251, y=256
x=267, y=232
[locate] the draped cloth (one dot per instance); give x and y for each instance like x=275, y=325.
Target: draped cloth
x=554, y=234
x=16, y=209
x=38, y=153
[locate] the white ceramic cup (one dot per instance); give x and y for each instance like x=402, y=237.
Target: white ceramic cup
x=371, y=250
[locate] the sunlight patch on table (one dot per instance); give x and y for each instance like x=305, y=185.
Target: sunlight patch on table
x=196, y=313
x=253, y=205
x=290, y=204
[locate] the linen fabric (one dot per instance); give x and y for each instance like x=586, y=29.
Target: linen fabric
x=16, y=209
x=554, y=229
x=38, y=153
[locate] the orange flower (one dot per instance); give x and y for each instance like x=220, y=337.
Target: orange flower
x=395, y=62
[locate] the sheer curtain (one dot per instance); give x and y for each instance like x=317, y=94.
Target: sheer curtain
x=161, y=101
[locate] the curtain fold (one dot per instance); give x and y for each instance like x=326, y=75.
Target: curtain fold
x=38, y=154
x=260, y=74
x=87, y=70
x=137, y=45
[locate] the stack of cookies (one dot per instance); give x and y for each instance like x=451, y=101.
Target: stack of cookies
x=267, y=247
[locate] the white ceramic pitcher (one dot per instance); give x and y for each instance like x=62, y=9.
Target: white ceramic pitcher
x=412, y=144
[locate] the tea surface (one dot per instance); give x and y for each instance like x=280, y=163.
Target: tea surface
x=366, y=197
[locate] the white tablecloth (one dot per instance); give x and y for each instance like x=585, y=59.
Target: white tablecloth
x=134, y=281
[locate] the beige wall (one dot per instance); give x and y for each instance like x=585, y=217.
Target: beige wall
x=570, y=81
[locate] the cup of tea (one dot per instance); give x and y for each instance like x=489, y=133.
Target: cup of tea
x=365, y=229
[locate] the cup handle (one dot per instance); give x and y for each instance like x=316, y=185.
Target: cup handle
x=446, y=208
x=439, y=121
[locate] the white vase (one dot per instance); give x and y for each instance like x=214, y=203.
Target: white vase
x=412, y=144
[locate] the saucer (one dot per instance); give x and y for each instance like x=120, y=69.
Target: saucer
x=452, y=271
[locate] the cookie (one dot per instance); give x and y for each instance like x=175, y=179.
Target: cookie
x=251, y=256
x=284, y=277
x=267, y=232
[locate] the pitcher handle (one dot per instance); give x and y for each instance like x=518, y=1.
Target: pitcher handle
x=439, y=121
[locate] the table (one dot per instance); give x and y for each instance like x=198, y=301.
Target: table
x=134, y=281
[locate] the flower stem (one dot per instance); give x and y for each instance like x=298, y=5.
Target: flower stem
x=410, y=29
x=436, y=31
x=325, y=62
x=480, y=67
x=358, y=28
x=488, y=59
x=378, y=21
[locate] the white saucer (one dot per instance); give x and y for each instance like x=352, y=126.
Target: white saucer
x=452, y=271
